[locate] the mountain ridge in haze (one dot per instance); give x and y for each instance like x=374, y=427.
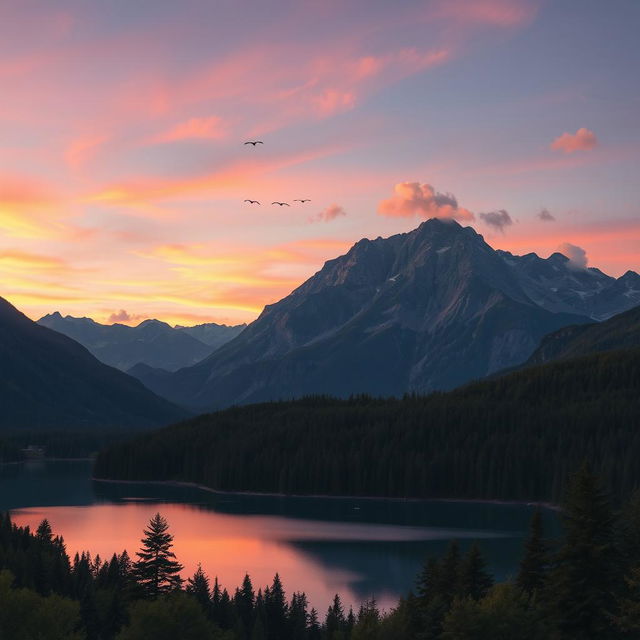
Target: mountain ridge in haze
x=430, y=309
x=152, y=342
x=47, y=380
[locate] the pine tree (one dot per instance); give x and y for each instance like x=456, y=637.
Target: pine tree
x=198, y=585
x=276, y=610
x=473, y=579
x=44, y=533
x=259, y=619
x=335, y=621
x=427, y=582
x=580, y=589
x=535, y=561
x=313, y=626
x=448, y=576
x=298, y=616
x=244, y=601
x=157, y=570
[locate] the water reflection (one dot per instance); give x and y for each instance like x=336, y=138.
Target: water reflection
x=359, y=548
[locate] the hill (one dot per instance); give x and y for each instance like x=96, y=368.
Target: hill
x=516, y=437
x=47, y=380
x=619, y=332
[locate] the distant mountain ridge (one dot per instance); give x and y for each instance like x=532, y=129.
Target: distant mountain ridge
x=553, y=284
x=48, y=380
x=619, y=332
x=430, y=309
x=152, y=342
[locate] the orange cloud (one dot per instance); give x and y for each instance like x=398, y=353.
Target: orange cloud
x=26, y=207
x=12, y=258
x=581, y=140
x=413, y=198
x=211, y=128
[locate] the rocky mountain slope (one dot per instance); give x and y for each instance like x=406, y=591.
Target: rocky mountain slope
x=426, y=310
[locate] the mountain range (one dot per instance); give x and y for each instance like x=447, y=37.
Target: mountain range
x=152, y=342
x=48, y=380
x=426, y=310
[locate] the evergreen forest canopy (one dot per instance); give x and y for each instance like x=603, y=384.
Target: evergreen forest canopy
x=584, y=585
x=515, y=437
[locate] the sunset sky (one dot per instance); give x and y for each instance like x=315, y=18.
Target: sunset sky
x=123, y=170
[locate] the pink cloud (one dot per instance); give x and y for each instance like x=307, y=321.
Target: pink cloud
x=211, y=128
x=499, y=13
x=332, y=212
x=331, y=102
x=412, y=198
x=581, y=140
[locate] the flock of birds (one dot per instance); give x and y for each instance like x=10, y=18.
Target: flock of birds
x=281, y=204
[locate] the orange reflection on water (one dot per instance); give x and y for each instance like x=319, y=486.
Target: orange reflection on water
x=227, y=546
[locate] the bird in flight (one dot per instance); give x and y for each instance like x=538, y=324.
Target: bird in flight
x=282, y=204
x=252, y=201
x=254, y=142
x=303, y=200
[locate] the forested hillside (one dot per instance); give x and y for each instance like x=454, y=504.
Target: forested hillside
x=515, y=437
x=620, y=332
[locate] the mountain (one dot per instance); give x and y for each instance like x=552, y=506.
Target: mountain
x=48, y=380
x=215, y=335
x=425, y=310
x=554, y=284
x=513, y=438
x=619, y=332
x=152, y=342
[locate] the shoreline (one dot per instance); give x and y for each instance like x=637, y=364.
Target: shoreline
x=192, y=485
x=8, y=462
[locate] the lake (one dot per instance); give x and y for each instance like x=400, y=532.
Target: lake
x=359, y=548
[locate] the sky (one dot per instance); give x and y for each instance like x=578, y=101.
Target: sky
x=123, y=171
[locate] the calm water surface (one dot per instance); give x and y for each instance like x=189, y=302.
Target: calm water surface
x=358, y=548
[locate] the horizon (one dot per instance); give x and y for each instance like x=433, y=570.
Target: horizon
x=123, y=169
x=135, y=322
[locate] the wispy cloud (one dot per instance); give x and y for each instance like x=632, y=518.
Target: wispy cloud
x=546, y=216
x=209, y=128
x=332, y=212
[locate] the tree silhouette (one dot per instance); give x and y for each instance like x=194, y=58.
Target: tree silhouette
x=157, y=570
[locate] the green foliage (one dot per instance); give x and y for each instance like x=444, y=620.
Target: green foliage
x=169, y=617
x=536, y=561
x=584, y=580
x=25, y=615
x=514, y=437
x=504, y=614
